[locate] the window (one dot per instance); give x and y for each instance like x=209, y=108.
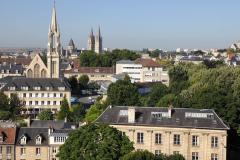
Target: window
x=42, y=95
x=0, y=149
x=22, y=151
x=1, y=138
x=139, y=137
x=30, y=94
x=195, y=140
x=54, y=150
x=54, y=95
x=38, y=140
x=176, y=139
x=38, y=151
x=214, y=156
x=158, y=138
x=23, y=140
x=30, y=102
x=54, y=102
x=36, y=95
x=9, y=149
x=42, y=102
x=24, y=94
x=176, y=152
x=61, y=95
x=214, y=142
x=48, y=102
x=194, y=155
x=157, y=152
x=36, y=102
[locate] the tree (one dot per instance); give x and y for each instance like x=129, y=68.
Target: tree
x=83, y=82
x=64, y=110
x=77, y=113
x=95, y=141
x=74, y=84
x=123, y=92
x=166, y=100
x=45, y=115
x=4, y=102
x=15, y=105
x=139, y=155
x=95, y=111
x=176, y=157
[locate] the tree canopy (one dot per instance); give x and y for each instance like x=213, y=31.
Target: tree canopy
x=95, y=142
x=64, y=110
x=123, y=92
x=45, y=115
x=91, y=59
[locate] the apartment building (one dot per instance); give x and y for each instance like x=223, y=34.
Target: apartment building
x=194, y=133
x=142, y=70
x=7, y=140
x=32, y=144
x=39, y=93
x=10, y=70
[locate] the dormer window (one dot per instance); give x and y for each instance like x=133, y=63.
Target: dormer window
x=1, y=138
x=12, y=88
x=25, y=88
x=16, y=71
x=37, y=88
x=38, y=139
x=61, y=88
x=23, y=140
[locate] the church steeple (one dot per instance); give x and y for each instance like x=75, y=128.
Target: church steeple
x=54, y=46
x=91, y=41
x=98, y=41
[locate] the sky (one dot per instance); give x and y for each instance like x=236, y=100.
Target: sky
x=132, y=24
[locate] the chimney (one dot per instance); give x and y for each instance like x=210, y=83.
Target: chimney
x=170, y=109
x=131, y=115
x=50, y=130
x=28, y=121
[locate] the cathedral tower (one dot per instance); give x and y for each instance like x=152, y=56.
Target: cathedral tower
x=98, y=42
x=54, y=47
x=91, y=41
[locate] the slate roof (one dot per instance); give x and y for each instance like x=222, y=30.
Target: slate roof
x=8, y=134
x=12, y=68
x=94, y=70
x=57, y=125
x=16, y=60
x=31, y=134
x=144, y=117
x=18, y=82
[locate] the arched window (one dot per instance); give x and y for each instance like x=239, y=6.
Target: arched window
x=29, y=73
x=43, y=73
x=36, y=71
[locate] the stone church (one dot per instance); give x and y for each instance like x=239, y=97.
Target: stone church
x=37, y=68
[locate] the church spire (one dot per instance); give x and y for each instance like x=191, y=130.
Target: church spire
x=54, y=25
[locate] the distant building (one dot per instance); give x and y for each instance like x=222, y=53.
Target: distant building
x=93, y=73
x=10, y=70
x=91, y=41
x=143, y=70
x=191, y=59
x=194, y=133
x=7, y=140
x=95, y=42
x=71, y=51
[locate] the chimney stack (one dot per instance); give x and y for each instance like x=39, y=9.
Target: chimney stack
x=131, y=115
x=170, y=109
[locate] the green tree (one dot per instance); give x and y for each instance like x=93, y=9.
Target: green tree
x=45, y=115
x=166, y=100
x=74, y=84
x=64, y=110
x=95, y=111
x=123, y=92
x=77, y=113
x=176, y=157
x=4, y=102
x=139, y=155
x=83, y=82
x=15, y=106
x=95, y=142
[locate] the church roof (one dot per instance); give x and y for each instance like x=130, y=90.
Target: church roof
x=71, y=43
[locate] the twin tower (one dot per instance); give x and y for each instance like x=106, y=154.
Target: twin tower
x=95, y=42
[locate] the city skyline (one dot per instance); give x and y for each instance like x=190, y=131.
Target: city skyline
x=166, y=25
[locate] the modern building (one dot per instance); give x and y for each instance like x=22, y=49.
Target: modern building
x=143, y=70
x=194, y=133
x=39, y=93
x=7, y=140
x=32, y=144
